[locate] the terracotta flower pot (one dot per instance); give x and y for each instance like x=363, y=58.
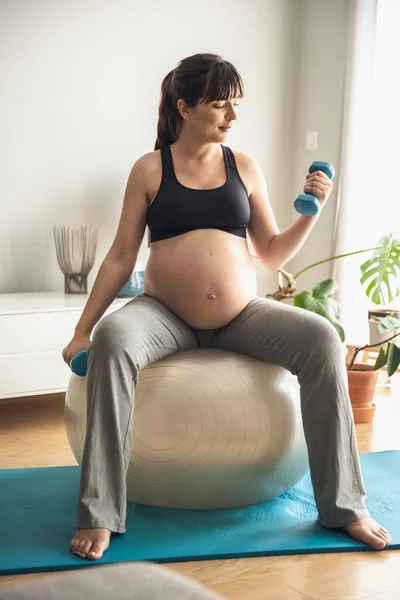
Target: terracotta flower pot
x=362, y=383
x=364, y=415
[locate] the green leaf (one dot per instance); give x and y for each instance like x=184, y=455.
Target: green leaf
x=381, y=360
x=339, y=329
x=393, y=358
x=324, y=288
x=385, y=262
x=321, y=305
x=320, y=291
x=334, y=304
x=388, y=324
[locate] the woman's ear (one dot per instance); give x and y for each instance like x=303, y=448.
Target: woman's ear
x=183, y=109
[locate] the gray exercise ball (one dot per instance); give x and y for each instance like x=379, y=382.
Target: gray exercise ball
x=211, y=429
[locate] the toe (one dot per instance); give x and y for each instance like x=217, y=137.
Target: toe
x=377, y=541
x=73, y=544
x=85, y=549
x=80, y=547
x=75, y=547
x=384, y=535
x=96, y=552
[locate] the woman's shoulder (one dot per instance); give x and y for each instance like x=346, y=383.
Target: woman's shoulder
x=149, y=158
x=149, y=163
x=246, y=164
x=246, y=160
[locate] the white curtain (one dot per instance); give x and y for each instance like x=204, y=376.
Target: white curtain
x=368, y=188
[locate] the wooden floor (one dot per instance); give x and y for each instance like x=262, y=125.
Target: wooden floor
x=32, y=434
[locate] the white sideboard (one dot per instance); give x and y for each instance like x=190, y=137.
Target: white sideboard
x=34, y=329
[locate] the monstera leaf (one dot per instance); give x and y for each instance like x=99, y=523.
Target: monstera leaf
x=385, y=261
x=392, y=356
x=319, y=302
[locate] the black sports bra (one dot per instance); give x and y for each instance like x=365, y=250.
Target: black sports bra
x=177, y=209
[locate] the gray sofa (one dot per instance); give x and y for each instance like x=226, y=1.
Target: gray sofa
x=122, y=581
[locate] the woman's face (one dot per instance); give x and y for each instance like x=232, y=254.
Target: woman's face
x=209, y=120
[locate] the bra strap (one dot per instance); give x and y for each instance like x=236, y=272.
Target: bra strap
x=166, y=158
x=230, y=157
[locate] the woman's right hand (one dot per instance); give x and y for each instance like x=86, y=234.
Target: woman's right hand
x=80, y=341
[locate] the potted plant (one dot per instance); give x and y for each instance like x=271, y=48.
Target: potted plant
x=384, y=262
x=363, y=377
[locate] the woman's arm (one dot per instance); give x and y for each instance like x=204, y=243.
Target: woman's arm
x=275, y=248
x=287, y=243
x=110, y=279
x=120, y=261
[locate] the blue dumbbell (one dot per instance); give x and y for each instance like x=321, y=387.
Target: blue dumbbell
x=78, y=363
x=308, y=204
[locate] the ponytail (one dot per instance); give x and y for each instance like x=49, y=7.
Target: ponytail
x=169, y=120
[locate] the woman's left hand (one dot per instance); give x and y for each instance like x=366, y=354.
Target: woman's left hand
x=319, y=185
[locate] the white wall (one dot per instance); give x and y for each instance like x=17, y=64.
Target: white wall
x=80, y=86
x=319, y=106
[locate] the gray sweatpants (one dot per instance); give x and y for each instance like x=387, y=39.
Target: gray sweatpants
x=145, y=330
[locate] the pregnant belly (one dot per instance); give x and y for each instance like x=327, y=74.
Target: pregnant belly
x=206, y=277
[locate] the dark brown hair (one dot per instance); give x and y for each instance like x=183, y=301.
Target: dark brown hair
x=196, y=79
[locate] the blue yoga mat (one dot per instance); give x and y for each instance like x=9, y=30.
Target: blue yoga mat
x=37, y=511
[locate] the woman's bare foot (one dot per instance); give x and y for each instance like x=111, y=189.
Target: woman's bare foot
x=370, y=532
x=90, y=543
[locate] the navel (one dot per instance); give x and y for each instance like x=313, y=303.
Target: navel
x=212, y=296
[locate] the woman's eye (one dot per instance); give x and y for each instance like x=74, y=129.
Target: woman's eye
x=224, y=105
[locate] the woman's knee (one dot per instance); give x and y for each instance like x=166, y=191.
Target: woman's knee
x=110, y=333
x=323, y=338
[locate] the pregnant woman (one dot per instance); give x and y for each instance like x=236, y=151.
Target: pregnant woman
x=200, y=199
